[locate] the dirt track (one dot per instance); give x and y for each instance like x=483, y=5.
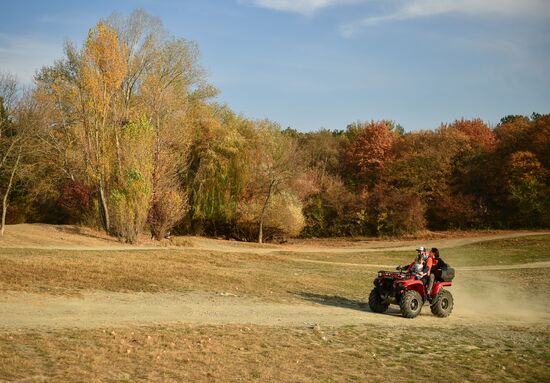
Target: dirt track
x=101, y=309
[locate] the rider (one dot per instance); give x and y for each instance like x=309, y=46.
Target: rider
x=420, y=252
x=418, y=268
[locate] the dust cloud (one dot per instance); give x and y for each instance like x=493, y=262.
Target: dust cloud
x=497, y=299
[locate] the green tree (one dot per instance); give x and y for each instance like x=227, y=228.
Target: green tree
x=132, y=194
x=219, y=167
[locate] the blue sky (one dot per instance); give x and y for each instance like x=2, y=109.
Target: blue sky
x=310, y=64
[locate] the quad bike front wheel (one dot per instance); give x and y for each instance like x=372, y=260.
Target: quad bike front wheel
x=442, y=305
x=410, y=304
x=375, y=302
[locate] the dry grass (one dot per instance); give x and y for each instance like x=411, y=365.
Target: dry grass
x=271, y=277
x=266, y=354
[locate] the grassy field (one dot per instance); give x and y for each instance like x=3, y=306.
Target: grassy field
x=371, y=353
x=462, y=348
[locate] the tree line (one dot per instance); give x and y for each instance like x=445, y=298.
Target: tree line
x=124, y=134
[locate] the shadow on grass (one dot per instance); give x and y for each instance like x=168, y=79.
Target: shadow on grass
x=83, y=232
x=338, y=301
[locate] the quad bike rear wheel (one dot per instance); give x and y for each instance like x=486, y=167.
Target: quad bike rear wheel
x=410, y=304
x=443, y=304
x=375, y=302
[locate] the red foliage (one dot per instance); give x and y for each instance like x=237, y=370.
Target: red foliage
x=76, y=198
x=453, y=212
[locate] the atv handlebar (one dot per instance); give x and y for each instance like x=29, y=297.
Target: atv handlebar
x=402, y=272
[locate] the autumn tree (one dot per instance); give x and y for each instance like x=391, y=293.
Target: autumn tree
x=539, y=134
x=103, y=68
x=330, y=207
x=80, y=98
x=370, y=149
x=527, y=191
x=219, y=168
x=395, y=212
x=128, y=72
x=17, y=122
x=478, y=134
x=164, y=82
x=171, y=94
x=269, y=194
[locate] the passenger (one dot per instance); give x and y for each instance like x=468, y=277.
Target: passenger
x=438, y=264
x=426, y=272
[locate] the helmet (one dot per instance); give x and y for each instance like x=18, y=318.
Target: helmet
x=421, y=248
x=435, y=251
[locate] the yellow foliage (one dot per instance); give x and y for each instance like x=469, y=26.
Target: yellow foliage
x=103, y=65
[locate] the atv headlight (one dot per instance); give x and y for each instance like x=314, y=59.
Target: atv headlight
x=380, y=274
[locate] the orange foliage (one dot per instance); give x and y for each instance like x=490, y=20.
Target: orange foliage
x=478, y=133
x=523, y=166
x=512, y=134
x=372, y=147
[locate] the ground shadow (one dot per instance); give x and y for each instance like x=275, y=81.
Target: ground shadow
x=332, y=300
x=82, y=232
x=338, y=301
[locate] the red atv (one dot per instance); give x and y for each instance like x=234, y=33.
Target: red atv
x=403, y=289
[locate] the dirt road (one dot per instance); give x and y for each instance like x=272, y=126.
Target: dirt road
x=101, y=309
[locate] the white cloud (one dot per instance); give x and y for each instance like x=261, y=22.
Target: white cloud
x=410, y=9
x=305, y=7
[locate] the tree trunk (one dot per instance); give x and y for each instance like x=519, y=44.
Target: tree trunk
x=118, y=154
x=6, y=194
x=262, y=214
x=103, y=208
